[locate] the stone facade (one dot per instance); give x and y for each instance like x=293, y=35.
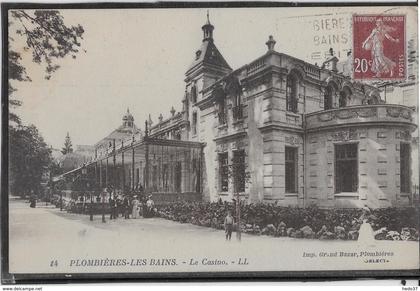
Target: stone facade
x=287, y=119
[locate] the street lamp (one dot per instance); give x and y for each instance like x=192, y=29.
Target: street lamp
x=91, y=202
x=103, y=205
x=84, y=174
x=238, y=214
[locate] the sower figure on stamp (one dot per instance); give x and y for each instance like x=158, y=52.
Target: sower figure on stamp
x=228, y=225
x=375, y=43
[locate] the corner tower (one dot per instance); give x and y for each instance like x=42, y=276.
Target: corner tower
x=208, y=65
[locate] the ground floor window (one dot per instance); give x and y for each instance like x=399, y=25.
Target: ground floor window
x=224, y=172
x=346, y=168
x=405, y=167
x=291, y=169
x=239, y=170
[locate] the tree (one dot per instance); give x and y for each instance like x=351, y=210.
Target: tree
x=47, y=37
x=30, y=158
x=67, y=145
x=240, y=177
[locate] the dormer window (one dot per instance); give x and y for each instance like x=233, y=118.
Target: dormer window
x=197, y=54
x=291, y=93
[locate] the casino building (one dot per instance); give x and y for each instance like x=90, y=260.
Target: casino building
x=299, y=133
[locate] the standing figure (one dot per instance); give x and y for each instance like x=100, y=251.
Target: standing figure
x=32, y=201
x=126, y=207
x=366, y=233
x=113, y=207
x=136, y=208
x=375, y=43
x=120, y=208
x=228, y=225
x=150, y=205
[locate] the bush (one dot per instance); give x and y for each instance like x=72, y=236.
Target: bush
x=311, y=222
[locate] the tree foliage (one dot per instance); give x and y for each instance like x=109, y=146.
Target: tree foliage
x=48, y=39
x=29, y=157
x=68, y=147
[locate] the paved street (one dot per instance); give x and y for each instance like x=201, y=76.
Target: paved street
x=47, y=240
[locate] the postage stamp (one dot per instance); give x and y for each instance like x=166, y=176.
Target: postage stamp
x=136, y=151
x=379, y=47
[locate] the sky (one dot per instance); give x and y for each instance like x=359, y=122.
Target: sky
x=137, y=59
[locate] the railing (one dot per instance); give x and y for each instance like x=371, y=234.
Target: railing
x=312, y=71
x=255, y=66
x=381, y=113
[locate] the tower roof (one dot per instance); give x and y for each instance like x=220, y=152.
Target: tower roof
x=128, y=116
x=208, y=53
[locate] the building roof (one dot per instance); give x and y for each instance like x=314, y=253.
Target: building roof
x=209, y=54
x=121, y=133
x=126, y=130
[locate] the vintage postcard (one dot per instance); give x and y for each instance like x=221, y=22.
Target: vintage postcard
x=153, y=141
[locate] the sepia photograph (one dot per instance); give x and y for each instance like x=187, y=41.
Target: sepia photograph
x=209, y=141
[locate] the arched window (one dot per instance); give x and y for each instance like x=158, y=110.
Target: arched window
x=373, y=100
x=233, y=88
x=220, y=100
x=344, y=97
x=221, y=111
x=328, y=97
x=292, y=93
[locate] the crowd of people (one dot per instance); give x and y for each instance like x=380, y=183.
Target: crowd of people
x=310, y=222
x=131, y=206
x=115, y=204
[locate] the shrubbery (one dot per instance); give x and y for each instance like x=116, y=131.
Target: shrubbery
x=311, y=222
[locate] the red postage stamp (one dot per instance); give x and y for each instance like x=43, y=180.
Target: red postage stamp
x=379, y=47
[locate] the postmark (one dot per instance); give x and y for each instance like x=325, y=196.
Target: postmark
x=379, y=47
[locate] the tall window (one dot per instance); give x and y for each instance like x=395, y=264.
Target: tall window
x=237, y=107
x=346, y=168
x=222, y=112
x=291, y=169
x=193, y=94
x=194, y=123
x=344, y=97
x=291, y=93
x=405, y=167
x=239, y=170
x=342, y=102
x=224, y=172
x=328, y=98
